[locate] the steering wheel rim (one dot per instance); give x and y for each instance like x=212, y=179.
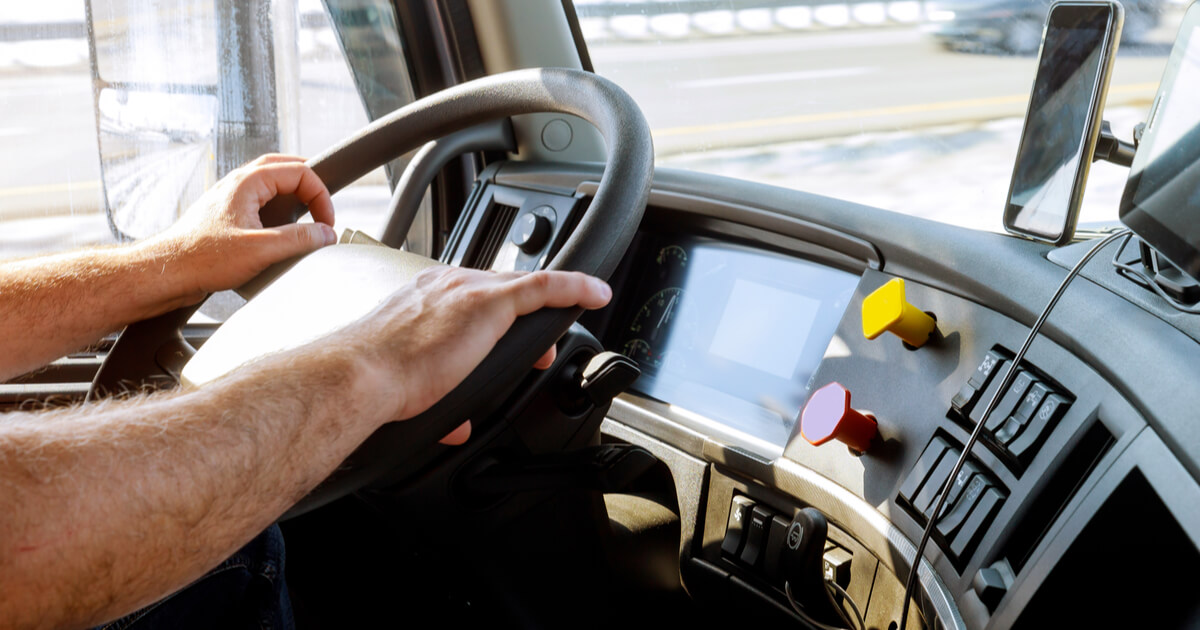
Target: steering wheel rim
x=595, y=246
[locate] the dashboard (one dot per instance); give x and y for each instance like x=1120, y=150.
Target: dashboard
x=737, y=312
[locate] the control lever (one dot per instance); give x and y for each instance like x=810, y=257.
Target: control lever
x=604, y=468
x=803, y=569
x=606, y=375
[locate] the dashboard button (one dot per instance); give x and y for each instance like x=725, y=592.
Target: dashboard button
x=949, y=524
x=887, y=310
x=988, y=393
x=773, y=553
x=1012, y=397
x=828, y=415
x=735, y=529
x=1030, y=403
x=977, y=521
x=1048, y=414
x=925, y=465
x=756, y=537
x=992, y=362
x=968, y=471
x=964, y=399
x=937, y=480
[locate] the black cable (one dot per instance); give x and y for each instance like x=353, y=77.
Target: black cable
x=830, y=588
x=1005, y=382
x=807, y=618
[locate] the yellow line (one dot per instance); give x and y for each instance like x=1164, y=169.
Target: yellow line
x=1015, y=99
x=20, y=191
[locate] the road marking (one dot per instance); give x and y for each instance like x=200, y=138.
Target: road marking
x=879, y=112
x=778, y=77
x=19, y=191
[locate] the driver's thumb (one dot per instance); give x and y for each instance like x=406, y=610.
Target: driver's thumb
x=295, y=239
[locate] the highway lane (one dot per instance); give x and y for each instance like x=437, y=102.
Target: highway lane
x=755, y=90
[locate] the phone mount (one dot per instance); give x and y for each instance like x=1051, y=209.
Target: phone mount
x=1110, y=148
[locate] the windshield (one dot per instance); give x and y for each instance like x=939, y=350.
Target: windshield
x=911, y=106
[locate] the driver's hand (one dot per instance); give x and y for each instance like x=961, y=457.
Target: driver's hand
x=463, y=432
x=426, y=338
x=220, y=242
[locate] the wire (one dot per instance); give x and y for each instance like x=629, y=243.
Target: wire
x=1133, y=273
x=787, y=588
x=1009, y=374
x=830, y=588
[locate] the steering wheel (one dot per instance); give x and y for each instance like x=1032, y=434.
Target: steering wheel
x=337, y=285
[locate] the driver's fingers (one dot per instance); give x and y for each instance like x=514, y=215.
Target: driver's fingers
x=274, y=158
x=557, y=289
x=296, y=178
x=547, y=359
x=457, y=436
x=295, y=239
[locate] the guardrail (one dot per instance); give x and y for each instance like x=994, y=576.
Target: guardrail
x=653, y=19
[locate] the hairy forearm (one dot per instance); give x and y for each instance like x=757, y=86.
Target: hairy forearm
x=53, y=305
x=111, y=507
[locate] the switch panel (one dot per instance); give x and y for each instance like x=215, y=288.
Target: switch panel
x=1027, y=410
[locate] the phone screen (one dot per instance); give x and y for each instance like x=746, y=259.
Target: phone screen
x=1059, y=133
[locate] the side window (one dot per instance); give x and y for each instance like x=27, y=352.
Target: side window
x=118, y=114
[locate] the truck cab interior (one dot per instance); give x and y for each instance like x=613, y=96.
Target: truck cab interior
x=814, y=400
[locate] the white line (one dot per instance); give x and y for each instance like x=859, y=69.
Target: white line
x=778, y=77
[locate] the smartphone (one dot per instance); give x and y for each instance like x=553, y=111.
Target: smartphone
x=1063, y=119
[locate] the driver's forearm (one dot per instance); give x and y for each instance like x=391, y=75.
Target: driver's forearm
x=54, y=305
x=110, y=507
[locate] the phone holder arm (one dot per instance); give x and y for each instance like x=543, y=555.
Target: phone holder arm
x=1111, y=148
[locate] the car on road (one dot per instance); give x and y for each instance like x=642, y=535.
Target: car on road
x=1015, y=26
x=739, y=439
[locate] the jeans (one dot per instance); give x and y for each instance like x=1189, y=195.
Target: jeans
x=245, y=592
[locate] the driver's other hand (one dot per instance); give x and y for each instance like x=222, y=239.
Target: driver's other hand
x=432, y=333
x=463, y=432
x=220, y=242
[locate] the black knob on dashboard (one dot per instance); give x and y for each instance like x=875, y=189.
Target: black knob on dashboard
x=531, y=233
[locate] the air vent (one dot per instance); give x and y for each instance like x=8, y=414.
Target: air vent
x=499, y=220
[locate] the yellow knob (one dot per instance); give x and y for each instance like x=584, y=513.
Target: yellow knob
x=886, y=310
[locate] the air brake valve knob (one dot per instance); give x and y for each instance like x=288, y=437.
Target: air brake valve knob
x=829, y=416
x=886, y=310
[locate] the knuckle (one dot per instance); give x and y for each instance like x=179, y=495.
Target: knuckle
x=540, y=280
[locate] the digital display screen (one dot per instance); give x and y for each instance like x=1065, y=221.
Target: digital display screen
x=764, y=328
x=1047, y=178
x=730, y=332
x=1162, y=196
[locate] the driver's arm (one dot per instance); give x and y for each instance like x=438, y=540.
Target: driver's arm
x=53, y=305
x=109, y=507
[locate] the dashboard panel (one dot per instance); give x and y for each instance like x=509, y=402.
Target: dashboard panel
x=728, y=331
x=1091, y=452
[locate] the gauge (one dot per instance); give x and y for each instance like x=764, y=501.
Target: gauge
x=672, y=257
x=654, y=318
x=639, y=350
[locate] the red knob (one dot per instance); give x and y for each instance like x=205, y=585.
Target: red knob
x=828, y=415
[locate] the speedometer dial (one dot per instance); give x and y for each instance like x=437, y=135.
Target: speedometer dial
x=654, y=318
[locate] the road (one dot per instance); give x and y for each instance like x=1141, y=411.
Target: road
x=746, y=101
x=752, y=91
